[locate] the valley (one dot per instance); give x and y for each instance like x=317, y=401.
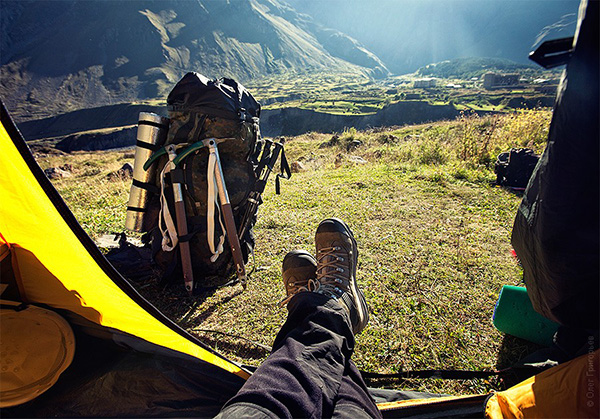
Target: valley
x=327, y=103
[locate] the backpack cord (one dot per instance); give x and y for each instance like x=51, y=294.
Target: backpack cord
x=168, y=231
x=213, y=202
x=285, y=171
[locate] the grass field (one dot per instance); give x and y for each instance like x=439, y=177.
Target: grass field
x=433, y=235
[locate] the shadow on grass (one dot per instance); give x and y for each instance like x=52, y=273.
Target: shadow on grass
x=513, y=351
x=174, y=301
x=199, y=318
x=227, y=344
x=518, y=192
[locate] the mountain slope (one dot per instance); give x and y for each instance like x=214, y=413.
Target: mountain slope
x=64, y=55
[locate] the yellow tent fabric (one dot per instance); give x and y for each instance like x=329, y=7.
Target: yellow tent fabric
x=447, y=402
x=54, y=267
x=568, y=390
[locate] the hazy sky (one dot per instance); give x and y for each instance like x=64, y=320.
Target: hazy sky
x=407, y=34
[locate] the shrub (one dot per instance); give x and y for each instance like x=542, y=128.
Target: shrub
x=527, y=128
x=349, y=134
x=478, y=140
x=432, y=152
x=470, y=145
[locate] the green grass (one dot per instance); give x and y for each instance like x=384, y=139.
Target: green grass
x=433, y=236
x=97, y=199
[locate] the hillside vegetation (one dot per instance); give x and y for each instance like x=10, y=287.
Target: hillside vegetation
x=465, y=68
x=433, y=235
x=295, y=104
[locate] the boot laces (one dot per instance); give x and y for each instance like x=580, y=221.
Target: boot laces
x=294, y=288
x=331, y=273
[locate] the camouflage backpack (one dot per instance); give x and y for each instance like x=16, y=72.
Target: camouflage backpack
x=201, y=109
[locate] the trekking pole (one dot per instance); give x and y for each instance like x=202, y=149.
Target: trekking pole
x=182, y=229
x=254, y=199
x=234, y=241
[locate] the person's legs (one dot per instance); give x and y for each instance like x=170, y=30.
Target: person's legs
x=302, y=376
x=354, y=400
x=309, y=372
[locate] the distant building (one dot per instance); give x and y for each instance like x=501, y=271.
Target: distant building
x=500, y=81
x=547, y=89
x=546, y=86
x=425, y=83
x=412, y=96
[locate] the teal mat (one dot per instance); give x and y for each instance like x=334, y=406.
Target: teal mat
x=515, y=316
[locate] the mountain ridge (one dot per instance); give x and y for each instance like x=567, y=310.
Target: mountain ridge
x=140, y=49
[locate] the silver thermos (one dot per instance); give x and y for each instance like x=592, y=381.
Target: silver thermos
x=151, y=134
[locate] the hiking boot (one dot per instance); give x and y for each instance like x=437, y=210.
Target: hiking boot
x=337, y=256
x=299, y=267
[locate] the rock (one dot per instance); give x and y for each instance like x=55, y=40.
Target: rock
x=388, y=139
x=297, y=167
x=124, y=173
x=110, y=241
x=340, y=158
x=357, y=160
x=56, y=173
x=354, y=144
x=126, y=170
x=332, y=141
x=68, y=167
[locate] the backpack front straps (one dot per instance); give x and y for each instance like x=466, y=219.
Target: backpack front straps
x=218, y=205
x=216, y=180
x=227, y=212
